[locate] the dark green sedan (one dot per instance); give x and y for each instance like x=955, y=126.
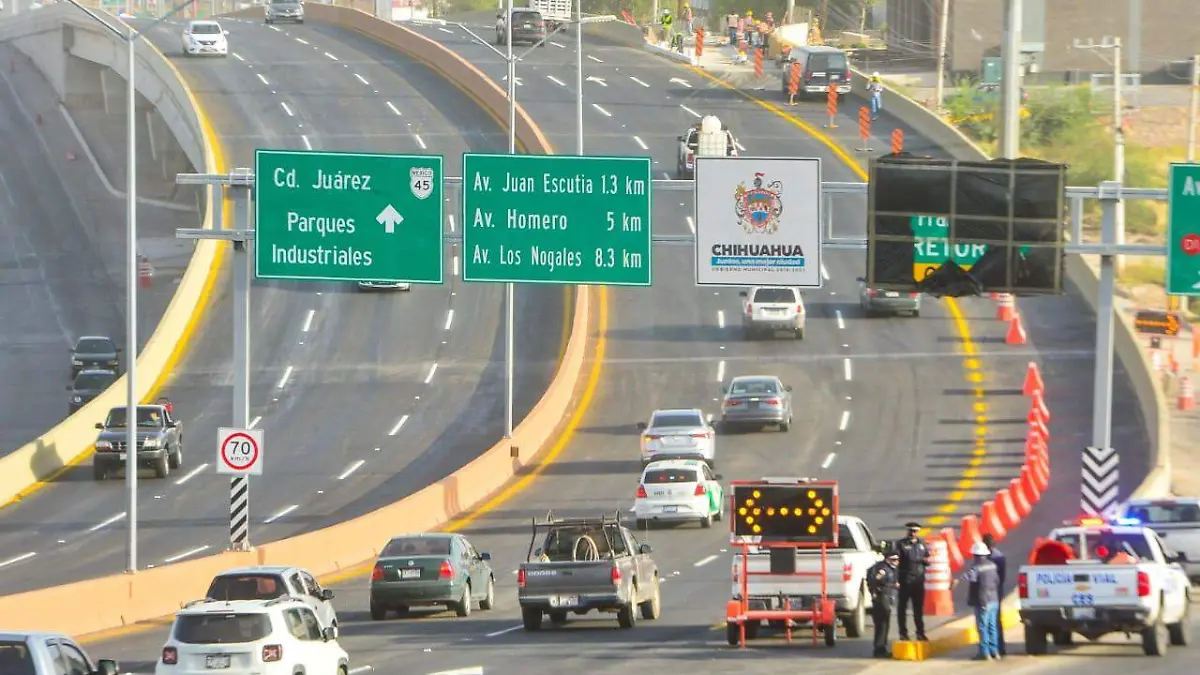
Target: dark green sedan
x=424, y=570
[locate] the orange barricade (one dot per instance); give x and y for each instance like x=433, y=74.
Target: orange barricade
x=864, y=123
x=758, y=62
x=1033, y=379
x=938, y=599
x=1007, y=510
x=956, y=556
x=1187, y=394
x=831, y=105
x=699, y=42
x=969, y=534
x=990, y=523
x=897, y=141
x=1041, y=474
x=1037, y=423
x=793, y=83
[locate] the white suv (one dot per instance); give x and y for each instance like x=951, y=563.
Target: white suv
x=769, y=309
x=244, y=637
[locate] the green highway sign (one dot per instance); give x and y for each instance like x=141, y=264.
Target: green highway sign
x=931, y=246
x=342, y=216
x=1183, y=229
x=556, y=219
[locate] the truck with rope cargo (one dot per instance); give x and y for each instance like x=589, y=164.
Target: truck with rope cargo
x=577, y=565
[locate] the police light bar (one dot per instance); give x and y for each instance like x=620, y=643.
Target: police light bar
x=1129, y=521
x=1085, y=521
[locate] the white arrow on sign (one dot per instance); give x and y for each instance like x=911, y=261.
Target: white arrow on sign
x=677, y=80
x=598, y=80
x=389, y=217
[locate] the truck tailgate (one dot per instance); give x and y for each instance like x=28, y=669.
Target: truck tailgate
x=837, y=576
x=1082, y=585
x=568, y=578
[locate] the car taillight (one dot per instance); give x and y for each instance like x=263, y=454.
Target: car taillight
x=772, y=401
x=653, y=437
x=446, y=571
x=847, y=573
x=731, y=404
x=377, y=573
x=749, y=307
x=170, y=656
x=871, y=292
x=641, y=493
x=539, y=24
x=1143, y=584
x=706, y=434
x=690, y=158
x=616, y=574
x=800, y=309
x=1023, y=585
x=914, y=296
x=521, y=578
x=272, y=653
x=700, y=491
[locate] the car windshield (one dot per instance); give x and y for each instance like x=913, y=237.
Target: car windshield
x=526, y=17
x=95, y=346
x=246, y=587
x=146, y=417
x=417, y=546
x=676, y=420
x=221, y=629
x=750, y=387
x=1103, y=545
x=205, y=29
x=15, y=658
x=1165, y=513
x=774, y=295
x=835, y=62
x=93, y=380
x=659, y=476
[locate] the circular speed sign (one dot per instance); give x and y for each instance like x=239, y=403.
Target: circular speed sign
x=239, y=451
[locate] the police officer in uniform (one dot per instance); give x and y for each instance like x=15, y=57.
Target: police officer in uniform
x=882, y=582
x=914, y=557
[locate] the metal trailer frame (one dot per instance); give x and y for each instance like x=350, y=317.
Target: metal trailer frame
x=822, y=616
x=604, y=522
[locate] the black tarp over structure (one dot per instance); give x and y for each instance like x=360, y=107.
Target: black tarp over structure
x=950, y=228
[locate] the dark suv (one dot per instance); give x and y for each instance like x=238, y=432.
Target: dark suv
x=88, y=385
x=94, y=352
x=528, y=26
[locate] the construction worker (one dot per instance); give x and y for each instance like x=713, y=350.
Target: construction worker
x=984, y=596
x=914, y=558
x=875, y=89
x=731, y=27
x=997, y=557
x=688, y=18
x=882, y=583
x=748, y=26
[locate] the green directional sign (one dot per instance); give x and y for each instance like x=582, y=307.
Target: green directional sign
x=1183, y=230
x=341, y=216
x=931, y=246
x=557, y=219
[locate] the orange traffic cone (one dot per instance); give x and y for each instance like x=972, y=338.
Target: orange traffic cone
x=1041, y=474
x=956, y=557
x=938, y=599
x=1035, y=447
x=1037, y=424
x=1029, y=484
x=1005, y=307
x=1040, y=404
x=1016, y=331
x=1033, y=379
x=1187, y=394
x=1007, y=510
x=990, y=523
x=969, y=535
x=1020, y=502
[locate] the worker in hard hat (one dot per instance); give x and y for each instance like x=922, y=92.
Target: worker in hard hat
x=875, y=89
x=667, y=21
x=984, y=596
x=688, y=17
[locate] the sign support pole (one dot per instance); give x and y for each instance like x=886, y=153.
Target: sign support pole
x=1105, y=318
x=509, y=288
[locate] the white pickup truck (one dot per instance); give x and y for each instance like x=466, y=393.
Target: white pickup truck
x=555, y=12
x=1121, y=580
x=1176, y=520
x=845, y=578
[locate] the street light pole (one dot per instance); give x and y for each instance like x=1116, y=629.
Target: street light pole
x=579, y=77
x=1010, y=84
x=509, y=288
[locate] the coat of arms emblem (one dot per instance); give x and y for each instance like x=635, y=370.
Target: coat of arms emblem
x=758, y=208
x=420, y=179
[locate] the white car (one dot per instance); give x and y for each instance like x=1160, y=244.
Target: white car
x=678, y=433
x=251, y=637
x=679, y=490
x=267, y=582
x=770, y=309
x=204, y=37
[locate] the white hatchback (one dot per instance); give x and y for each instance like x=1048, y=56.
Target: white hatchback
x=204, y=37
x=251, y=637
x=679, y=490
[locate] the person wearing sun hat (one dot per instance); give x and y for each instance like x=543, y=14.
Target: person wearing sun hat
x=914, y=558
x=984, y=596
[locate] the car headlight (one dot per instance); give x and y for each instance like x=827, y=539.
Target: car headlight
x=76, y=362
x=150, y=443
x=76, y=399
x=103, y=445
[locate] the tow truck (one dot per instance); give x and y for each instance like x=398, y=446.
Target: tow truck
x=706, y=138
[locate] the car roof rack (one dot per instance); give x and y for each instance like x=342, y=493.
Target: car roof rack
x=604, y=519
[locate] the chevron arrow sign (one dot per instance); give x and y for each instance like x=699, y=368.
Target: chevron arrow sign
x=1100, y=483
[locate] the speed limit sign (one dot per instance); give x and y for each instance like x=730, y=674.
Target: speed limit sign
x=239, y=451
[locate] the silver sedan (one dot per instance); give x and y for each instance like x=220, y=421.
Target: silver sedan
x=756, y=400
x=682, y=433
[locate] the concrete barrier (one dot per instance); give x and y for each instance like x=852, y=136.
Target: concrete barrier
x=119, y=600
x=48, y=37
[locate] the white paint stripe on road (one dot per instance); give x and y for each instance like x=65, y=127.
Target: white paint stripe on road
x=286, y=109
x=555, y=80
x=824, y=272
x=191, y=474
x=829, y=460
x=392, y=107
x=419, y=141
x=721, y=320
x=691, y=223
x=331, y=56
x=263, y=79
x=312, y=314
x=287, y=375
x=432, y=370
x=396, y=429
x=846, y=369
x=602, y=111
x=307, y=144
x=281, y=513
x=639, y=81
x=362, y=79
x=704, y=561
x=502, y=632
x=105, y=523
x=845, y=420
x=254, y=422
x=351, y=469
x=449, y=319
x=721, y=371
x=186, y=554
x=27, y=556
x=641, y=143
x=594, y=58
x=841, y=321
x=689, y=110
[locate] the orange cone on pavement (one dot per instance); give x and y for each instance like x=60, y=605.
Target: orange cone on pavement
x=1020, y=500
x=1036, y=423
x=1016, y=331
x=1004, y=307
x=1041, y=474
x=1029, y=484
x=990, y=523
x=1007, y=510
x=968, y=535
x=1039, y=402
x=956, y=556
x=1187, y=394
x=1035, y=447
x=1033, y=379
x=938, y=599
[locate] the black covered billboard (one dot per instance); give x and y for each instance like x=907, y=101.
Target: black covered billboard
x=951, y=228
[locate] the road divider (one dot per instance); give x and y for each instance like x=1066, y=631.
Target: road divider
x=120, y=600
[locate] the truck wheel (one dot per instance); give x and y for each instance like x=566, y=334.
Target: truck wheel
x=175, y=459
x=1181, y=633
x=706, y=521
x=1155, y=638
x=1063, y=638
x=489, y=600
x=627, y=615
x=1035, y=640
x=162, y=468
x=378, y=612
x=463, y=607
x=830, y=631
x=99, y=472
x=652, y=608
x=531, y=618
x=856, y=623
x=784, y=426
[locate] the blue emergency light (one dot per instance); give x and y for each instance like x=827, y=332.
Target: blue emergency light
x=1129, y=521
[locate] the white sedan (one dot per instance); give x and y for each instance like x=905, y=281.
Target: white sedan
x=679, y=490
x=204, y=37
x=680, y=433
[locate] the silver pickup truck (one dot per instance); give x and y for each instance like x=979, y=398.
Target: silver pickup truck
x=585, y=564
x=37, y=653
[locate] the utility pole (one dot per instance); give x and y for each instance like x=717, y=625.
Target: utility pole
x=944, y=26
x=1194, y=109
x=1010, y=84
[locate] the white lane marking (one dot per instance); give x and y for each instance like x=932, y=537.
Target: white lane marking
x=721, y=371
x=691, y=224
x=689, y=110
x=841, y=322
x=312, y=314
x=238, y=56
x=287, y=375
x=419, y=141
x=368, y=668
x=721, y=320
x=106, y=523
x=594, y=58
x=180, y=556
x=274, y=28
x=281, y=513
x=263, y=79
x=432, y=370
x=331, y=56
x=640, y=142
x=679, y=80
x=396, y=429
x=559, y=45
x=362, y=79
x=392, y=107
x=286, y=109
x=351, y=469
x=27, y=556
x=449, y=319
x=302, y=41
x=602, y=111
x=846, y=369
x=845, y=420
x=502, y=632
x=555, y=80
x=307, y=144
x=639, y=81
x=455, y=266
x=824, y=272
x=254, y=422
x=828, y=460
x=450, y=218
x=704, y=561
x=191, y=474
x=444, y=30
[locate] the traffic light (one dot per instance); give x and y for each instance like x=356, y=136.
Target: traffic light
x=786, y=513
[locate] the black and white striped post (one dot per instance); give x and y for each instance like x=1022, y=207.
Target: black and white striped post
x=1101, y=478
x=239, y=513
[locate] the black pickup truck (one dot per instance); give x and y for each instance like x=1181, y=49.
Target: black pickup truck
x=159, y=441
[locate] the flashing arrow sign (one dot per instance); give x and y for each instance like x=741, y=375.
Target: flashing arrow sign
x=389, y=218
x=597, y=80
x=677, y=80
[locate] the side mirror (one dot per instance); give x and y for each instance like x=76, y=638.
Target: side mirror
x=741, y=294
x=1180, y=557
x=644, y=549
x=718, y=476
x=640, y=425
x=787, y=387
x=118, y=348
x=225, y=32
x=724, y=390
x=486, y=557
x=537, y=552
x=861, y=280
x=326, y=594
x=329, y=633
x=106, y=667
x=100, y=425
x=70, y=387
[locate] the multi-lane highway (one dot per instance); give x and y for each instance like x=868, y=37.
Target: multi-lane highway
x=365, y=397
x=881, y=403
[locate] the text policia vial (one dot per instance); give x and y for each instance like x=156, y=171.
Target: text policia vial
x=321, y=254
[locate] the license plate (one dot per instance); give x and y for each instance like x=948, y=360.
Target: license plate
x=892, y=294
x=564, y=600
x=410, y=574
x=1083, y=613
x=216, y=661
x=121, y=456
x=670, y=509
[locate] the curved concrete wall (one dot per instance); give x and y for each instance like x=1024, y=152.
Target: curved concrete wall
x=49, y=37
x=98, y=604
